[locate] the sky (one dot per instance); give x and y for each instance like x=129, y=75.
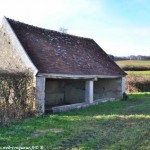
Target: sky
x=120, y=27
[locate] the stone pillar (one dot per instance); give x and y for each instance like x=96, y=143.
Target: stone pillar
x=89, y=91
x=40, y=93
x=123, y=84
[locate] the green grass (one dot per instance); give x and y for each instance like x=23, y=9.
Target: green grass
x=138, y=63
x=134, y=65
x=142, y=73
x=112, y=126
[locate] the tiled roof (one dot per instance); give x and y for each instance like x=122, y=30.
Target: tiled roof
x=59, y=53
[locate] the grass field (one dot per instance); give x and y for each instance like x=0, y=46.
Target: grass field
x=142, y=73
x=112, y=126
x=144, y=63
x=134, y=65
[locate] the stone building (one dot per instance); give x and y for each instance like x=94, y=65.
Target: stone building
x=70, y=71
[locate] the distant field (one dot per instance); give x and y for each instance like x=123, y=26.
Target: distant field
x=134, y=65
x=138, y=78
x=143, y=73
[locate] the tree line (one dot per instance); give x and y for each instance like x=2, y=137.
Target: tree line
x=131, y=57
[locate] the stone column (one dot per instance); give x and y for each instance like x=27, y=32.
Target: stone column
x=89, y=91
x=123, y=84
x=40, y=93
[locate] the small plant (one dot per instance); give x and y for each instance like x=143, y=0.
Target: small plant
x=125, y=96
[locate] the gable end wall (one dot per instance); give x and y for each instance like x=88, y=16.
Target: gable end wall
x=12, y=55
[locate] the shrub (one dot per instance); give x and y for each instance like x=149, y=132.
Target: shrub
x=136, y=83
x=17, y=99
x=135, y=68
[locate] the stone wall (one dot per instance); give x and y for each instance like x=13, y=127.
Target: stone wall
x=13, y=57
x=59, y=92
x=9, y=59
x=108, y=88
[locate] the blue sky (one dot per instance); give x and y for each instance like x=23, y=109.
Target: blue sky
x=120, y=27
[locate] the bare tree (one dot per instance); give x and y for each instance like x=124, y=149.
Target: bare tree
x=63, y=29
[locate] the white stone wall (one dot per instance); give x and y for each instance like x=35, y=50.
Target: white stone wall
x=12, y=55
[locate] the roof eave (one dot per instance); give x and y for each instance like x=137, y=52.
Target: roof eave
x=84, y=77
